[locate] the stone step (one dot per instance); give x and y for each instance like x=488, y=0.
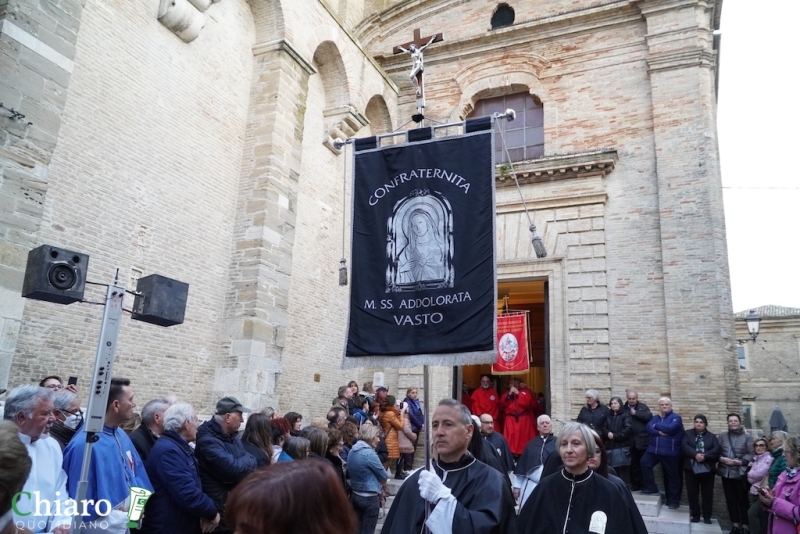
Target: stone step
x=702, y=528
x=666, y=522
x=648, y=505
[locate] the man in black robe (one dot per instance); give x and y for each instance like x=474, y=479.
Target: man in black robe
x=528, y=473
x=496, y=442
x=465, y=496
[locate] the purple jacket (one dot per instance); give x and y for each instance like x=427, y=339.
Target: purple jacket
x=785, y=511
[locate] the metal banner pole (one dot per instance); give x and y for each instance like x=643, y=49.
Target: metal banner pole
x=427, y=441
x=101, y=382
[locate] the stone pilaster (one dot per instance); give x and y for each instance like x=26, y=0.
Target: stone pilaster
x=37, y=49
x=255, y=318
x=699, y=318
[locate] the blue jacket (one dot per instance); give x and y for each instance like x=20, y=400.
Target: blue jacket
x=670, y=424
x=415, y=415
x=223, y=461
x=178, y=502
x=365, y=469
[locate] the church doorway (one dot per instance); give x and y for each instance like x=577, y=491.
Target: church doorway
x=529, y=295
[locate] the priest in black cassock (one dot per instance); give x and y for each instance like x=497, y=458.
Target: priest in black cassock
x=576, y=500
x=528, y=471
x=496, y=442
x=465, y=496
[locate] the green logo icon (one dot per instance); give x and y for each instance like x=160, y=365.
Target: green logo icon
x=139, y=498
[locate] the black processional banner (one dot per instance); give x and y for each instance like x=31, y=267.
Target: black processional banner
x=423, y=285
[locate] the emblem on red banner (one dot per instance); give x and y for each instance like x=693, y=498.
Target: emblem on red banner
x=512, y=344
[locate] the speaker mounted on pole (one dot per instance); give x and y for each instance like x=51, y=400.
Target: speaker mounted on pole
x=55, y=274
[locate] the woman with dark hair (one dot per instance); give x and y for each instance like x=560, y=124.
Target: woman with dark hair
x=617, y=438
x=297, y=448
x=783, y=501
x=280, y=430
x=599, y=464
x=332, y=454
x=349, y=437
x=303, y=497
x=257, y=438
x=296, y=422
x=736, y=454
x=757, y=514
x=54, y=384
x=392, y=423
x=700, y=449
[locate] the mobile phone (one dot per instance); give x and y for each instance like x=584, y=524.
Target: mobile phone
x=73, y=381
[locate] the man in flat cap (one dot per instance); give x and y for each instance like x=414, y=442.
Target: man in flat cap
x=222, y=459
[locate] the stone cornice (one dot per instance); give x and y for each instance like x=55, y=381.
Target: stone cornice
x=520, y=33
x=697, y=57
x=561, y=167
x=282, y=44
x=560, y=201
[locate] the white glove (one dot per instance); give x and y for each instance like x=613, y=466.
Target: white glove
x=431, y=487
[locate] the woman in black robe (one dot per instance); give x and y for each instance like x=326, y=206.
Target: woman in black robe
x=576, y=500
x=599, y=464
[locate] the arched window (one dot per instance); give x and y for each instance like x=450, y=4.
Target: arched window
x=525, y=134
x=503, y=16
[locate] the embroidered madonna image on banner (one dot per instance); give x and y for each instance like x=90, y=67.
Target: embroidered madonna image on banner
x=423, y=288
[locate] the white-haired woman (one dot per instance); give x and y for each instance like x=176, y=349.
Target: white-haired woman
x=178, y=504
x=575, y=498
x=594, y=414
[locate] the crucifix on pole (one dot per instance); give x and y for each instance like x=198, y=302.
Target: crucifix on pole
x=415, y=49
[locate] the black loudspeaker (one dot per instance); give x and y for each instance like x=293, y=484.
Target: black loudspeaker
x=161, y=301
x=55, y=275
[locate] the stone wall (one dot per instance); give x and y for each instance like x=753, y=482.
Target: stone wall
x=213, y=162
x=37, y=53
x=144, y=179
x=771, y=378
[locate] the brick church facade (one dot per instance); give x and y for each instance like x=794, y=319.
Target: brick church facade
x=193, y=139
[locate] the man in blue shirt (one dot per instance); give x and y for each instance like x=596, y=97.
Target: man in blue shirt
x=115, y=467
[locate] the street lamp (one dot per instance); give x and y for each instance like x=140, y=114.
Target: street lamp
x=753, y=322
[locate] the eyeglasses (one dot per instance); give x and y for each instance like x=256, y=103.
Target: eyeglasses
x=54, y=386
x=760, y=445
x=79, y=412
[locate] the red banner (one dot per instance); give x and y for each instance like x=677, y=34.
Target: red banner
x=512, y=344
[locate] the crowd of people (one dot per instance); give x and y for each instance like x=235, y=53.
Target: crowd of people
x=194, y=469
x=496, y=465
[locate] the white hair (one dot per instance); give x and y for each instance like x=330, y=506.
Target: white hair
x=587, y=434
x=63, y=399
x=665, y=399
x=24, y=399
x=593, y=394
x=177, y=415
x=541, y=418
